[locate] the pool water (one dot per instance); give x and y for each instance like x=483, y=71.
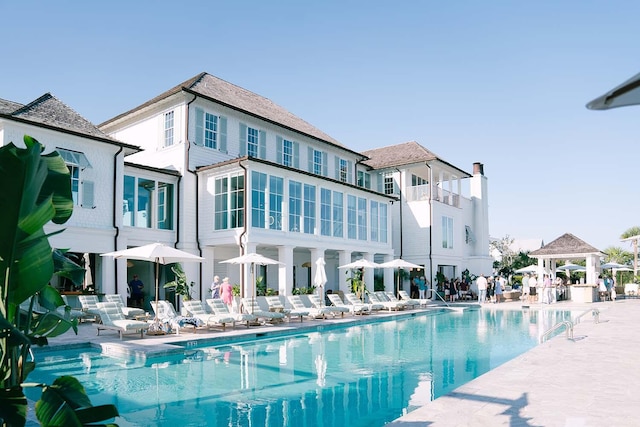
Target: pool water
x=364, y=375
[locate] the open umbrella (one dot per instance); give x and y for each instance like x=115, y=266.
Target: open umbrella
x=527, y=269
x=252, y=259
x=612, y=265
x=628, y=93
x=159, y=254
x=399, y=263
x=361, y=263
x=320, y=278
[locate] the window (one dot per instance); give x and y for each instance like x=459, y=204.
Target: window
x=364, y=179
x=343, y=171
x=447, y=232
x=253, y=138
x=287, y=153
x=210, y=130
x=229, y=202
x=168, y=129
x=325, y=212
x=258, y=192
x=389, y=187
x=382, y=218
x=81, y=189
x=374, y=221
x=352, y=217
x=338, y=212
x=317, y=162
x=362, y=218
x=276, y=197
x=416, y=181
x=295, y=205
x=147, y=203
x=309, y=209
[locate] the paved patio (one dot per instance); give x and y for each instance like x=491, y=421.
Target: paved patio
x=591, y=380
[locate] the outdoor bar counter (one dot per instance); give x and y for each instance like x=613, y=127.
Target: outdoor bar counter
x=584, y=293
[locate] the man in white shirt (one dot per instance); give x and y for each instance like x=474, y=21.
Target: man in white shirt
x=481, y=282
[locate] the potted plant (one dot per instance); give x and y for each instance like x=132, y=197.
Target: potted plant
x=179, y=284
x=357, y=284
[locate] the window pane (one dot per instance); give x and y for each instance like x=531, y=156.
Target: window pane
x=165, y=206
x=276, y=188
x=258, y=192
x=338, y=213
x=309, y=209
x=128, y=204
x=146, y=189
x=295, y=205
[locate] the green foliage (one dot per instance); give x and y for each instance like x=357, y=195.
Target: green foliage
x=180, y=285
x=261, y=287
x=235, y=290
x=356, y=282
x=36, y=190
x=303, y=291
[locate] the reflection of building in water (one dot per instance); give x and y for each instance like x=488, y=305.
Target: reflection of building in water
x=423, y=393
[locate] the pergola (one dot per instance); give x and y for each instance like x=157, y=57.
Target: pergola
x=568, y=247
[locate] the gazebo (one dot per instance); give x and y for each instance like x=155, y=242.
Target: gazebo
x=569, y=247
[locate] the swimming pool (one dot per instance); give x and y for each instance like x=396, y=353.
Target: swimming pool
x=365, y=375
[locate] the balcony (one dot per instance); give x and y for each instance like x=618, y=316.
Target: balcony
x=421, y=193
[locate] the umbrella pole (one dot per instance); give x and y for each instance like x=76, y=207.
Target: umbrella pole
x=157, y=291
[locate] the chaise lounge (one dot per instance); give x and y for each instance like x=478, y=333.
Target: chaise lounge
x=113, y=319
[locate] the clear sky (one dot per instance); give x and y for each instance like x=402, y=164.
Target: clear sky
x=504, y=83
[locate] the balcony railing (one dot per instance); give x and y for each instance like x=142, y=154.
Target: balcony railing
x=421, y=193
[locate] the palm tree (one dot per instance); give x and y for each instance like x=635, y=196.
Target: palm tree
x=633, y=234
x=617, y=254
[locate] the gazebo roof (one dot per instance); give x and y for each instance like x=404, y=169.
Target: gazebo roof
x=566, y=246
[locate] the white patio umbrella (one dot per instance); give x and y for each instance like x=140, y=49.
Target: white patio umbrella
x=361, y=263
x=611, y=265
x=320, y=278
x=159, y=254
x=252, y=259
x=527, y=269
x=628, y=93
x=399, y=263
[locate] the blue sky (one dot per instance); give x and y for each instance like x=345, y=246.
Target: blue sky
x=499, y=82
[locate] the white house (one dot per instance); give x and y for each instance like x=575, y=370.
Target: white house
x=216, y=170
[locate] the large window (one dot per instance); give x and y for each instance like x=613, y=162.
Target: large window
x=416, y=180
x=309, y=209
x=343, y=170
x=258, y=197
x=338, y=214
x=374, y=221
x=447, y=232
x=168, y=129
x=229, y=202
x=382, y=217
x=362, y=218
x=317, y=162
x=81, y=189
x=389, y=187
x=352, y=217
x=364, y=179
x=325, y=212
x=276, y=197
x=253, y=141
x=295, y=205
x=147, y=203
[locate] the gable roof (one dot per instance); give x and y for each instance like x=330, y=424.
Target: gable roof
x=567, y=244
x=403, y=154
x=49, y=111
x=240, y=99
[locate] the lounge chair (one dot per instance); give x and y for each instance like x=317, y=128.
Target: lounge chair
x=113, y=319
x=407, y=304
x=89, y=304
x=251, y=306
x=353, y=308
x=219, y=308
x=314, y=313
x=406, y=298
x=317, y=303
x=276, y=305
x=195, y=308
x=130, y=312
x=171, y=320
x=353, y=299
x=381, y=297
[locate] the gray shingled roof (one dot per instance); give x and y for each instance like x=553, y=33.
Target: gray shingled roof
x=567, y=244
x=235, y=97
x=8, y=107
x=49, y=110
x=400, y=155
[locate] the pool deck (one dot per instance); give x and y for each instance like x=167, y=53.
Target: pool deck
x=590, y=380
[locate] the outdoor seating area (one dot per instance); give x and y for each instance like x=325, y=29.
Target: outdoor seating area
x=112, y=318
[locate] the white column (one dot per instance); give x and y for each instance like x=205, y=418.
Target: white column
x=389, y=283
x=368, y=272
x=593, y=266
x=285, y=270
x=344, y=257
x=249, y=284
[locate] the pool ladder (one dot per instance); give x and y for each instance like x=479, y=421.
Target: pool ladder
x=568, y=324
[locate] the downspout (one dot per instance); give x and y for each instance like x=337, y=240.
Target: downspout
x=115, y=213
x=244, y=226
x=401, y=221
x=430, y=223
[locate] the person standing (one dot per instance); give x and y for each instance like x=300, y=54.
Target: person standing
x=499, y=288
x=136, y=287
x=215, y=287
x=422, y=287
x=533, y=291
x=226, y=292
x=525, y=287
x=547, y=285
x=481, y=283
